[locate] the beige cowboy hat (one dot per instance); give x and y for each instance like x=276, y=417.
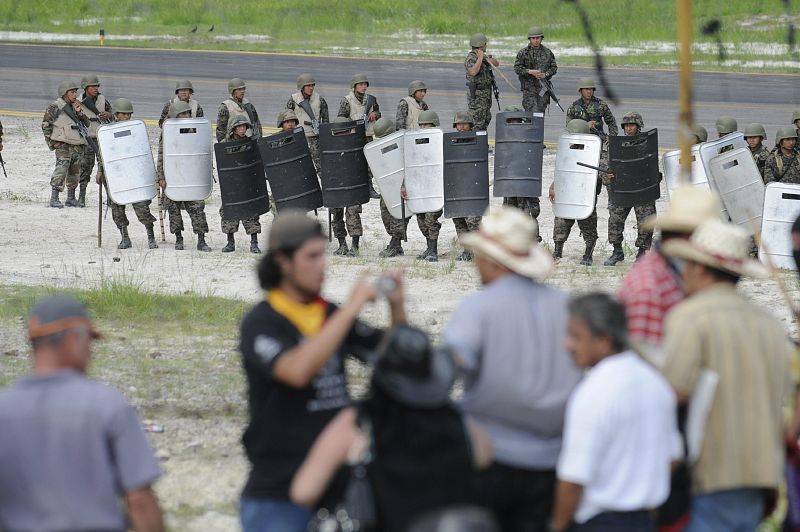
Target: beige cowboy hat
x=510, y=238
x=688, y=207
x=719, y=245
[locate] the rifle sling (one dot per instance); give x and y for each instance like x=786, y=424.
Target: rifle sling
x=307, y=108
x=88, y=102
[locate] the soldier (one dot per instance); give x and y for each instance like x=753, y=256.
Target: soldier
x=593, y=110
x=394, y=228
x=238, y=128
x=725, y=126
x=463, y=121
x=183, y=92
x=411, y=106
x=755, y=135
x=196, y=209
x=535, y=62
x=98, y=110
x=783, y=164
x=699, y=133
x=311, y=110
x=59, y=126
x=632, y=124
x=528, y=205
x=480, y=79
x=346, y=220
x=428, y=222
x=357, y=105
x=287, y=120
x=123, y=111
x=237, y=105
x=588, y=226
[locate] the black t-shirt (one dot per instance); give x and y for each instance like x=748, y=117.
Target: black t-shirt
x=285, y=421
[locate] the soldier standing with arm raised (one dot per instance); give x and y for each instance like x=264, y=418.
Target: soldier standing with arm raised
x=98, y=110
x=533, y=63
x=183, y=92
x=479, y=81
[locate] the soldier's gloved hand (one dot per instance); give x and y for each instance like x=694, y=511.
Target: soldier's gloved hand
x=77, y=107
x=551, y=193
x=372, y=116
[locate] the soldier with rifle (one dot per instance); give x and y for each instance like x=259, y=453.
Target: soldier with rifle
x=358, y=105
x=237, y=105
x=98, y=110
x=311, y=110
x=535, y=65
x=480, y=82
x=592, y=110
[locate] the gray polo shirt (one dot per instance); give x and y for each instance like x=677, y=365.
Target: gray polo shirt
x=518, y=374
x=69, y=448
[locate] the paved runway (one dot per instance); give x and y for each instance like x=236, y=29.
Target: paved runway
x=29, y=74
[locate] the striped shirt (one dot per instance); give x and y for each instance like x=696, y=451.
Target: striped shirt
x=749, y=350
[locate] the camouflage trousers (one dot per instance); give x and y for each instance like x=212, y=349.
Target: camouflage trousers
x=252, y=225
x=87, y=165
x=481, y=108
x=466, y=225
x=429, y=224
x=394, y=228
x=588, y=227
x=529, y=205
x=346, y=221
x=616, y=223
x=313, y=147
x=142, y=210
x=68, y=166
x=532, y=102
x=197, y=215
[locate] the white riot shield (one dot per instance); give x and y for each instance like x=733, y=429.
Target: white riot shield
x=424, y=170
x=576, y=186
x=672, y=169
x=740, y=187
x=128, y=165
x=386, y=159
x=188, y=156
x=781, y=208
x=709, y=150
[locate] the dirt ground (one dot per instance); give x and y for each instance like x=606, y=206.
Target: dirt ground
x=201, y=455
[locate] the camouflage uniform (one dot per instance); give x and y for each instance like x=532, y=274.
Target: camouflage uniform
x=429, y=224
x=466, y=225
x=597, y=110
x=196, y=209
x=760, y=156
x=68, y=156
x=783, y=169
x=401, y=117
x=530, y=58
x=588, y=227
x=223, y=114
x=89, y=156
x=394, y=228
x=118, y=214
x=252, y=225
x=344, y=110
x=347, y=221
x=479, y=91
x=616, y=224
x=165, y=111
x=313, y=142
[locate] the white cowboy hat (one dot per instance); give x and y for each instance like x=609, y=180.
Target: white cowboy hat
x=688, y=207
x=719, y=245
x=510, y=238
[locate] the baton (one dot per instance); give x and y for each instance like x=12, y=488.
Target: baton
x=595, y=168
x=100, y=217
x=161, y=212
x=403, y=214
x=3, y=164
x=330, y=226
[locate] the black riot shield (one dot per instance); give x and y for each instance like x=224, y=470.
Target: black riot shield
x=290, y=170
x=466, y=174
x=345, y=174
x=242, y=183
x=634, y=163
x=518, y=151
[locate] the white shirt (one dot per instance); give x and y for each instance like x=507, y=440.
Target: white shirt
x=620, y=435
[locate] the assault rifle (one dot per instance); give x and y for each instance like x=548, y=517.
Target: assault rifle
x=547, y=88
x=494, y=87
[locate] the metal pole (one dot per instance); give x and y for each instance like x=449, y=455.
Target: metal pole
x=685, y=118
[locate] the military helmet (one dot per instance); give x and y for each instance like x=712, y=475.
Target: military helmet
x=513, y=109
x=726, y=124
x=700, y=132
x=288, y=114
x=341, y=119
x=122, y=105
x=428, y=117
x=305, y=79
x=796, y=116
x=89, y=81
x=179, y=107
x=415, y=86
x=183, y=84
x=66, y=86
x=463, y=117
x=238, y=120
x=755, y=130
x=535, y=31
x=576, y=125
x=478, y=40
x=358, y=78
x=383, y=126
x=236, y=83
x=785, y=133
x=586, y=83
x=632, y=118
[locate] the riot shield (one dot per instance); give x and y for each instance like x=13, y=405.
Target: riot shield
x=187, y=158
x=672, y=169
x=242, y=183
x=634, y=162
x=781, y=209
x=386, y=159
x=518, y=152
x=576, y=186
x=424, y=170
x=466, y=174
x=712, y=148
x=128, y=165
x=345, y=176
x=739, y=184
x=290, y=170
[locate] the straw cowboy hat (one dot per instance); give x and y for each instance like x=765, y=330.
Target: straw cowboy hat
x=510, y=238
x=718, y=245
x=688, y=207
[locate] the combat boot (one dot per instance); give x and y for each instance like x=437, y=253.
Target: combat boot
x=201, y=243
x=54, y=201
x=82, y=195
x=342, y=249
x=641, y=253
x=432, y=254
x=617, y=256
x=558, y=252
x=151, y=237
x=254, y=244
x=354, y=248
x=125, y=243
x=71, y=201
x=587, y=259
x=231, y=245
x=178, y=241
x=393, y=249
x=466, y=256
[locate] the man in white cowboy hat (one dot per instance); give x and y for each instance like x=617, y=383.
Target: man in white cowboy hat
x=718, y=331
x=653, y=285
x=509, y=342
